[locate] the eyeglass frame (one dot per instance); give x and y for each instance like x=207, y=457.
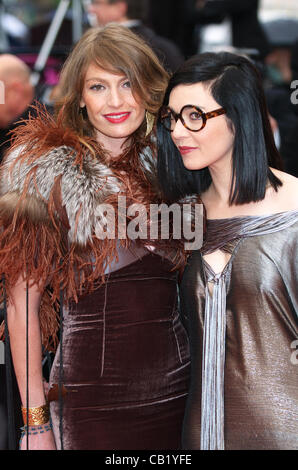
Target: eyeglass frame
x=205, y=116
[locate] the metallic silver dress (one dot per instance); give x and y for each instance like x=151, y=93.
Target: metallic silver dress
x=243, y=337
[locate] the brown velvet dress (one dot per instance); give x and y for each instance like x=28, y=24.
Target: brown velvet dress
x=124, y=360
x=125, y=363
x=260, y=370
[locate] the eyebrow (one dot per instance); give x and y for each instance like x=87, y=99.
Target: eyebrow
x=103, y=80
x=201, y=107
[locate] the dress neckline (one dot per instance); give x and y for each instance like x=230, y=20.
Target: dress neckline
x=223, y=233
x=251, y=217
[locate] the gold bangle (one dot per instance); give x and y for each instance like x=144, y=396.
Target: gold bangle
x=36, y=416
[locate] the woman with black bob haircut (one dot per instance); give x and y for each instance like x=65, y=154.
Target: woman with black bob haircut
x=236, y=85
x=239, y=291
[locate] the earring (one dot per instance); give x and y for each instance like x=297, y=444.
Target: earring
x=150, y=119
x=83, y=112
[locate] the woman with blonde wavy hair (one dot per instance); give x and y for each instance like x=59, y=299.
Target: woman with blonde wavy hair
x=105, y=303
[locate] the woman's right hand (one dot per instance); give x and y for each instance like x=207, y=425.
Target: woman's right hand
x=40, y=441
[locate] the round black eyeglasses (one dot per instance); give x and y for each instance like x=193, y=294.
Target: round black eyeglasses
x=192, y=117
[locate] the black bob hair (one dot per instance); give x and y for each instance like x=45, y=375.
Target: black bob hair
x=236, y=85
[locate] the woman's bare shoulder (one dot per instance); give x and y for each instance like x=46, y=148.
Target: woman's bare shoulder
x=287, y=195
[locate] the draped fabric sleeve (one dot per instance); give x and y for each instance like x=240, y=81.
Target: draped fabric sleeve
x=287, y=266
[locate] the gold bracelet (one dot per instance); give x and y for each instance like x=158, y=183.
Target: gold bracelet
x=36, y=416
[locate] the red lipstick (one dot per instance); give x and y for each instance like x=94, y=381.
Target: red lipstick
x=117, y=118
x=185, y=150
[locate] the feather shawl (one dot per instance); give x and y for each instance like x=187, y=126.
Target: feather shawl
x=52, y=186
